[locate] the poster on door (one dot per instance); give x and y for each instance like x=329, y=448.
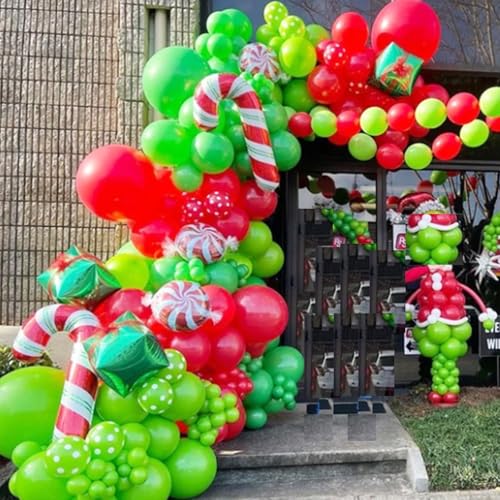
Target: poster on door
x=399, y=237
x=409, y=343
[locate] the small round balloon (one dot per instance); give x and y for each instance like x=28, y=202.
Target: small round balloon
x=362, y=147
x=474, y=134
x=373, y=121
x=297, y=56
x=418, y=156
x=431, y=113
x=489, y=102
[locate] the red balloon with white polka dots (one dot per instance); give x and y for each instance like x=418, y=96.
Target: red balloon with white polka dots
x=218, y=204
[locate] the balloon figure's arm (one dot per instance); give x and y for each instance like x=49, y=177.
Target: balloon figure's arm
x=409, y=307
x=413, y=297
x=487, y=316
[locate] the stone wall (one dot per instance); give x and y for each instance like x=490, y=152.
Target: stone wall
x=69, y=82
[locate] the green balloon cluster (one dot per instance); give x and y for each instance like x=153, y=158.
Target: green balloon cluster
x=216, y=411
x=431, y=246
x=274, y=377
x=192, y=270
x=491, y=233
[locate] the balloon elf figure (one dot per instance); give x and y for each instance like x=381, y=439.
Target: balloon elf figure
x=438, y=305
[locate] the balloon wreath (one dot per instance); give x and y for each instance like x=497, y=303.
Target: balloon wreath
x=176, y=335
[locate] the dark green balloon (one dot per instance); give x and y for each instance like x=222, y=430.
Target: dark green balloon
x=241, y=23
x=187, y=178
x=255, y=280
x=284, y=360
x=287, y=150
x=162, y=270
x=262, y=388
x=242, y=165
x=256, y=418
x=235, y=134
x=276, y=117
x=212, y=153
x=224, y=275
x=297, y=96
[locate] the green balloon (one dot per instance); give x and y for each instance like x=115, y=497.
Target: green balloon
x=189, y=396
x=224, y=275
x=262, y=388
x=255, y=280
x=438, y=177
x=430, y=113
x=438, y=333
x=29, y=402
x=273, y=344
x=289, y=111
x=162, y=270
x=235, y=134
x=165, y=436
x=443, y=254
x=274, y=406
x=240, y=260
x=427, y=348
x=23, y=451
x=418, y=156
x=277, y=96
x=297, y=96
x=287, y=150
x=136, y=436
x=192, y=469
x=418, y=254
x=128, y=248
x=241, y=23
x=489, y=102
x=274, y=13
x=219, y=45
x=373, y=121
x=429, y=238
x=230, y=65
x=186, y=117
x=257, y=240
x=165, y=142
x=453, y=237
x=292, y=26
x=270, y=263
x=242, y=165
x=212, y=153
x=461, y=332
x=276, y=117
x=475, y=133
x=324, y=123
x=419, y=333
x=157, y=485
x=162, y=74
x=200, y=45
x=33, y=481
x=131, y=271
x=452, y=348
x=187, y=178
x=275, y=43
x=284, y=360
x=256, y=418
x=362, y=147
x=111, y=406
x=220, y=22
x=316, y=33
x=297, y=56
x=265, y=33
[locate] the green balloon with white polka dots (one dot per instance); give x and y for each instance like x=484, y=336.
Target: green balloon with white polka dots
x=292, y=26
x=176, y=368
x=67, y=456
x=106, y=440
x=274, y=13
x=155, y=395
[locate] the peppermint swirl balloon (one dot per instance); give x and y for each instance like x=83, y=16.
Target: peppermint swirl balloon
x=257, y=58
x=180, y=305
x=201, y=241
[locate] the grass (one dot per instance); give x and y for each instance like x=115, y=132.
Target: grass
x=461, y=445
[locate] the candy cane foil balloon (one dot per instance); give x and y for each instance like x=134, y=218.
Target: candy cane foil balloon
x=77, y=403
x=210, y=91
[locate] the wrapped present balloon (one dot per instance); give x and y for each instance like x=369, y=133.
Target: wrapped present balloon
x=126, y=354
x=397, y=70
x=77, y=278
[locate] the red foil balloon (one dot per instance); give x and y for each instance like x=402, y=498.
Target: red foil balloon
x=325, y=85
x=300, y=124
x=228, y=348
x=411, y=24
x=258, y=204
x=351, y=30
x=462, y=108
x=122, y=301
x=151, y=238
x=261, y=313
x=446, y=146
x=390, y=157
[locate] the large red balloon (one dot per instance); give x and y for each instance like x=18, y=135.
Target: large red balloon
x=390, y=157
x=261, y=313
x=114, y=182
x=236, y=224
x=222, y=308
x=122, y=301
x=151, y=239
x=446, y=146
x=411, y=24
x=351, y=30
x=228, y=348
x=258, y=204
x=462, y=108
x=325, y=85
x=195, y=346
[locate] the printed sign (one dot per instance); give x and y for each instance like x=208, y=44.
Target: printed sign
x=399, y=237
x=338, y=241
x=489, y=343
x=409, y=343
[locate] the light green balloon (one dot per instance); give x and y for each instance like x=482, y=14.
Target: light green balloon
x=270, y=263
x=286, y=148
x=157, y=485
x=224, y=275
x=362, y=147
x=162, y=270
x=200, y=45
x=297, y=57
x=187, y=178
x=297, y=96
x=111, y=406
x=373, y=121
x=316, y=33
x=165, y=436
x=131, y=271
x=430, y=113
x=189, y=396
x=475, y=133
x=230, y=65
x=212, y=153
x=219, y=45
x=318, y=108
x=489, y=102
x=128, y=247
x=220, y=22
x=265, y=33
x=418, y=156
x=241, y=260
x=257, y=240
x=289, y=112
x=292, y=26
x=274, y=13
x=324, y=123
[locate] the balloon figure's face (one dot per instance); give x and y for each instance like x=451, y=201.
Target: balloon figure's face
x=432, y=246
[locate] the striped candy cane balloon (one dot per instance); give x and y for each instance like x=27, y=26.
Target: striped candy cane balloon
x=78, y=398
x=210, y=91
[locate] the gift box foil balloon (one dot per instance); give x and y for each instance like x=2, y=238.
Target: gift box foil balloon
x=77, y=278
x=397, y=70
x=126, y=354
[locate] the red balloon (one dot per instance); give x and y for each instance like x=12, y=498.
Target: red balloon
x=493, y=123
x=401, y=117
x=152, y=238
x=418, y=131
x=256, y=350
x=261, y=313
x=462, y=108
x=122, y=301
x=351, y=30
x=325, y=86
x=375, y=97
x=236, y=428
x=390, y=157
x=193, y=210
x=450, y=399
x=226, y=182
x=195, y=346
x=338, y=139
x=320, y=50
x=348, y=123
x=392, y=202
x=434, y=398
x=236, y=224
x=353, y=104
x=222, y=308
x=425, y=187
x=228, y=348
x=361, y=65
x=400, y=139
x=258, y=204
x=111, y=180
x=411, y=24
x=436, y=91
x=300, y=124
x=335, y=56
x=327, y=186
x=446, y=146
